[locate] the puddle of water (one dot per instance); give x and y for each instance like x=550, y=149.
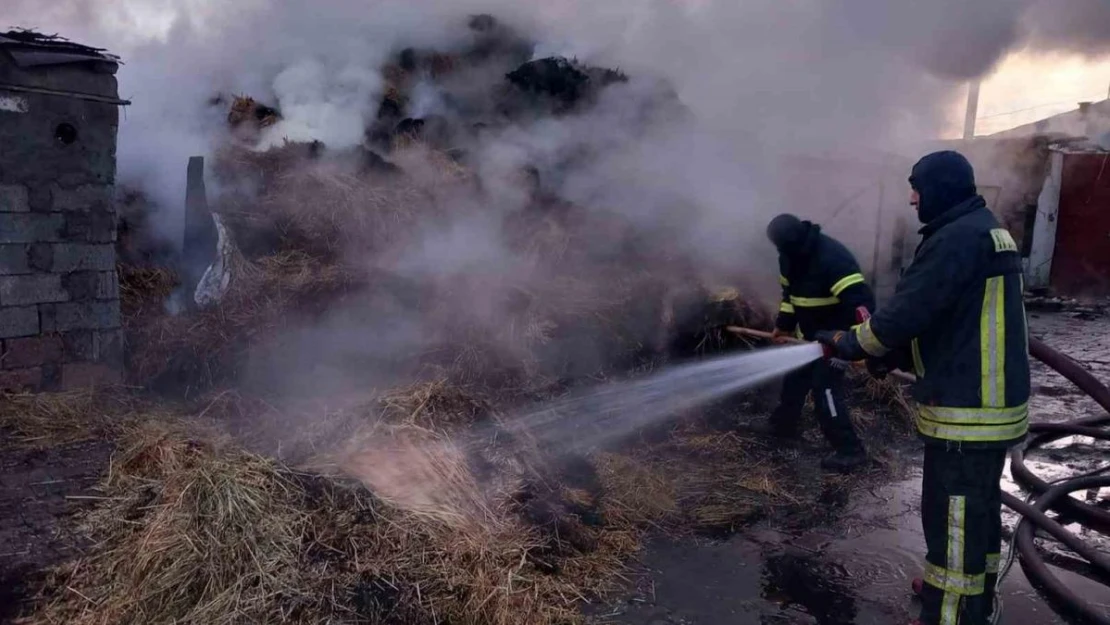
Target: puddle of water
x=855, y=572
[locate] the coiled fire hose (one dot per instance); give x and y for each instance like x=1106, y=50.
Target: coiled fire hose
x=1055, y=496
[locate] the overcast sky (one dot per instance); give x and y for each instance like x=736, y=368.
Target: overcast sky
x=1025, y=87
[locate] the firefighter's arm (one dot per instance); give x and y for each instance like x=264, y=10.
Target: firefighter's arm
x=846, y=283
x=785, y=322
x=942, y=270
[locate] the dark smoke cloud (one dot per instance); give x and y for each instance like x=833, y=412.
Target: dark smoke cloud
x=1081, y=26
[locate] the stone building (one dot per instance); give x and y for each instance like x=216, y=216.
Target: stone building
x=59, y=293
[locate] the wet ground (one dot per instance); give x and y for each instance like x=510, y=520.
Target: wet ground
x=849, y=561
x=39, y=490
x=856, y=567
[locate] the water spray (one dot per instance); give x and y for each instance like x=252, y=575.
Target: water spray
x=598, y=416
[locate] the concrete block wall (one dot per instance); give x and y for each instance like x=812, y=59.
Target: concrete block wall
x=59, y=292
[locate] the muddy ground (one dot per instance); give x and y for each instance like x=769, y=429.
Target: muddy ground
x=855, y=565
x=848, y=561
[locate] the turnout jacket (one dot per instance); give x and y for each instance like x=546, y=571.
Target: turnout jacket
x=822, y=286
x=958, y=318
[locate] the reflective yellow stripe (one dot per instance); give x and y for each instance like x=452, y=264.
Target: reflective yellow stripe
x=973, y=425
x=783, y=281
x=1003, y=240
x=993, y=561
x=918, y=364
x=813, y=302
x=974, y=434
x=954, y=581
x=869, y=342
x=950, y=604
x=786, y=307
x=992, y=344
x=845, y=282
x=975, y=416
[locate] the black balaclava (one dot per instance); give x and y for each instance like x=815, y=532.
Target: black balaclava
x=788, y=233
x=942, y=180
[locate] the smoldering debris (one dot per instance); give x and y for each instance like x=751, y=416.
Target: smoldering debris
x=432, y=226
x=326, y=438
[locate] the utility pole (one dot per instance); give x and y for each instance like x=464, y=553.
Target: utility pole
x=972, y=109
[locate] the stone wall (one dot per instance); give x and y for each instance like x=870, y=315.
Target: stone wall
x=59, y=294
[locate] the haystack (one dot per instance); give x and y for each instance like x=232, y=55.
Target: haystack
x=190, y=527
x=424, y=502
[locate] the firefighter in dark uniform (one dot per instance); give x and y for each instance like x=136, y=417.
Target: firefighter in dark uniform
x=822, y=287
x=957, y=319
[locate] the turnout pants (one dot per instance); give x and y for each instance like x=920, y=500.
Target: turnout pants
x=961, y=512
x=827, y=385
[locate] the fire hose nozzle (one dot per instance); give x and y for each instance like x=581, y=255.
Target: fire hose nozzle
x=827, y=341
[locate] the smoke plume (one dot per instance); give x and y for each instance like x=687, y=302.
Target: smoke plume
x=689, y=148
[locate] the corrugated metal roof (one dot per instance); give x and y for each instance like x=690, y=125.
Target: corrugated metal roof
x=31, y=49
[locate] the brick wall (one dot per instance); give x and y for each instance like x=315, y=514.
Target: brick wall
x=59, y=294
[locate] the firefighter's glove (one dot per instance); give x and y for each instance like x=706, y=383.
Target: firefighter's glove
x=841, y=344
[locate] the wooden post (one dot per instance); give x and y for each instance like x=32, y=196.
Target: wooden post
x=972, y=110
x=199, y=244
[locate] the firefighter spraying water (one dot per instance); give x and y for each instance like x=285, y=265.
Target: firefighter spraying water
x=957, y=318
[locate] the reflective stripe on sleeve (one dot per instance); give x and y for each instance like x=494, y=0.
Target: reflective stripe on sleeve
x=869, y=342
x=845, y=282
x=918, y=364
x=786, y=307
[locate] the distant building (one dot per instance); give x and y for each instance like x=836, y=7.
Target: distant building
x=1049, y=184
x=59, y=294
x=1091, y=120
x=1069, y=246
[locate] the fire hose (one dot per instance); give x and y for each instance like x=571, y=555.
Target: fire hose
x=1045, y=496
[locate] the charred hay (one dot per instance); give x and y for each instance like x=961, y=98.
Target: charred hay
x=424, y=509
x=420, y=502
x=590, y=296
x=193, y=528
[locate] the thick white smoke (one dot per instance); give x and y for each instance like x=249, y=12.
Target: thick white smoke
x=760, y=79
x=764, y=73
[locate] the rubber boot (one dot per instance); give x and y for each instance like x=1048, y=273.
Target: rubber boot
x=845, y=461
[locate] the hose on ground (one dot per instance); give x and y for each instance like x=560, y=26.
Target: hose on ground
x=1057, y=497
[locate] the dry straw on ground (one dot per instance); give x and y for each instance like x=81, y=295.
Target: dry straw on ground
x=192, y=528
x=413, y=505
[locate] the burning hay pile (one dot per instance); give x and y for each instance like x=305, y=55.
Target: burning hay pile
x=528, y=286
x=394, y=526
x=329, y=441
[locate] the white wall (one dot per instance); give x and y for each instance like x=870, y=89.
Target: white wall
x=1038, y=270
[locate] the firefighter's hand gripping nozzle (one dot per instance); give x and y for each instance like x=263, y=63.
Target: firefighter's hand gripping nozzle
x=832, y=340
x=828, y=342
